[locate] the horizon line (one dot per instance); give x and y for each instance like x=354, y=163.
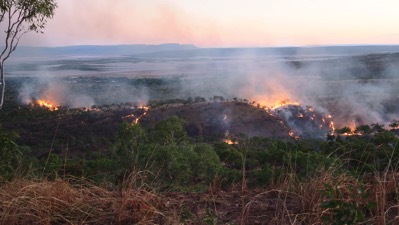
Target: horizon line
x=221, y=47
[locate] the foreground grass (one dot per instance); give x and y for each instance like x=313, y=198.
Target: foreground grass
x=76, y=201
x=326, y=198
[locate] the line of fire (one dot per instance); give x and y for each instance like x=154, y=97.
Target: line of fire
x=299, y=121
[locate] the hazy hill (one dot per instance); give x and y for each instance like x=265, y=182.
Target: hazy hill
x=183, y=51
x=98, y=50
x=275, y=51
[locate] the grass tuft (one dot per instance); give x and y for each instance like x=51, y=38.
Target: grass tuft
x=75, y=201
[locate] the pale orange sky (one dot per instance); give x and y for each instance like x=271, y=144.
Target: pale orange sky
x=221, y=23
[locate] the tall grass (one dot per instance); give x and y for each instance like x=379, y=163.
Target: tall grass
x=372, y=198
x=76, y=201
x=290, y=200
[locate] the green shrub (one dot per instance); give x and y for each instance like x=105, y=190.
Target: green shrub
x=264, y=176
x=345, y=205
x=228, y=155
x=206, y=163
x=53, y=166
x=228, y=176
x=169, y=131
x=102, y=169
x=305, y=163
x=11, y=155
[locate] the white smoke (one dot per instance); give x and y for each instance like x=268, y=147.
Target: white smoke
x=353, y=89
x=348, y=87
x=54, y=91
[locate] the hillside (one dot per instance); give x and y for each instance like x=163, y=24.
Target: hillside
x=72, y=127
x=214, y=119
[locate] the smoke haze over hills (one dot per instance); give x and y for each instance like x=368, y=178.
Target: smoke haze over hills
x=356, y=84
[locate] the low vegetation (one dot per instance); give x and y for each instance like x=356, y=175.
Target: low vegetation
x=161, y=175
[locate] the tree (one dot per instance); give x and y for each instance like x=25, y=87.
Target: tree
x=18, y=17
x=343, y=130
x=378, y=128
x=364, y=129
x=394, y=124
x=170, y=131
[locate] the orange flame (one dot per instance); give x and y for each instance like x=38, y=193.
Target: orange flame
x=332, y=127
x=145, y=108
x=291, y=133
x=272, y=104
x=275, y=102
x=129, y=116
x=284, y=103
x=352, y=125
x=228, y=140
x=47, y=104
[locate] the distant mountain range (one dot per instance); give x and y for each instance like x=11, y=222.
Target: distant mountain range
x=99, y=50
x=182, y=51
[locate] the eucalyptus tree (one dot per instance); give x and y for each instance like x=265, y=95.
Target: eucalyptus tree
x=18, y=17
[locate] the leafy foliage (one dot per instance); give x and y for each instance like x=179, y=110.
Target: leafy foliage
x=345, y=206
x=10, y=154
x=170, y=131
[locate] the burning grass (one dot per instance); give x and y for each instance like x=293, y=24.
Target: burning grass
x=47, y=104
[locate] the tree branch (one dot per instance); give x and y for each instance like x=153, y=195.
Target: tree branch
x=15, y=26
x=8, y=31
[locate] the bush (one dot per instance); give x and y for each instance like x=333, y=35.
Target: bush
x=206, y=163
x=170, y=131
x=11, y=154
x=167, y=157
x=228, y=155
x=306, y=163
x=345, y=205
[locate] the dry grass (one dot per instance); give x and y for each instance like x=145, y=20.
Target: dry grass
x=294, y=202
x=75, y=202
x=385, y=192
x=290, y=201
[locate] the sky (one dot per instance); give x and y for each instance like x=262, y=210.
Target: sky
x=221, y=23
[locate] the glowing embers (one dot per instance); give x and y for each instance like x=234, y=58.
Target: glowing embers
x=332, y=126
x=359, y=131
x=227, y=137
x=145, y=108
x=228, y=140
x=293, y=134
x=47, y=104
x=285, y=102
x=142, y=110
x=303, y=121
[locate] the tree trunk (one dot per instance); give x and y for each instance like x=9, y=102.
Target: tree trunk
x=3, y=86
